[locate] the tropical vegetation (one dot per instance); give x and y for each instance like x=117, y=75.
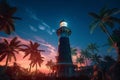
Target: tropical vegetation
x=9, y=49
x=105, y=19
x=35, y=54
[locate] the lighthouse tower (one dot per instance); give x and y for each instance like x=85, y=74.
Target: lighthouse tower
x=64, y=61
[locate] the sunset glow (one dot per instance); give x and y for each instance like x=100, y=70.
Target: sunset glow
x=25, y=62
x=59, y=39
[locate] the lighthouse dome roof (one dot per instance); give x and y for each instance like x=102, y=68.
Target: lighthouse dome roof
x=63, y=23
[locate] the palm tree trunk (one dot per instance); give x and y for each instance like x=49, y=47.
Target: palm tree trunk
x=36, y=68
x=108, y=34
x=86, y=62
x=118, y=54
x=6, y=64
x=30, y=68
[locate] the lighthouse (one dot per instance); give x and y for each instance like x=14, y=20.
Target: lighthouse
x=64, y=61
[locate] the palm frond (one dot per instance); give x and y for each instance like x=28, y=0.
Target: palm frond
x=18, y=46
x=113, y=11
x=17, y=43
x=31, y=44
x=39, y=63
x=6, y=29
x=12, y=10
x=114, y=19
x=36, y=45
x=93, y=25
x=24, y=45
x=18, y=18
x=2, y=57
x=16, y=51
x=41, y=50
x=13, y=40
x=26, y=54
x=110, y=24
x=94, y=15
x=103, y=11
x=6, y=42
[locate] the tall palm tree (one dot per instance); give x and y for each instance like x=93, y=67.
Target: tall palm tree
x=34, y=52
x=10, y=49
x=6, y=17
x=92, y=47
x=104, y=19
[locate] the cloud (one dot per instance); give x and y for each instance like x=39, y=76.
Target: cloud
x=33, y=28
x=46, y=25
x=41, y=27
x=53, y=30
x=49, y=30
x=32, y=14
x=51, y=51
x=38, y=39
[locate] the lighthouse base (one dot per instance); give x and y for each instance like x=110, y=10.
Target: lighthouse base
x=65, y=70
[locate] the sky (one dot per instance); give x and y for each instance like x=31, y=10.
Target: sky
x=41, y=18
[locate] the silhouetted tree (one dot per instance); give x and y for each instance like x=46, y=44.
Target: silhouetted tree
x=92, y=48
x=50, y=64
x=116, y=38
x=6, y=17
x=105, y=18
x=86, y=54
x=10, y=49
x=74, y=51
x=35, y=54
x=80, y=60
x=96, y=58
x=116, y=66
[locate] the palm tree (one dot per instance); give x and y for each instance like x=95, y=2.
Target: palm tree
x=34, y=52
x=104, y=19
x=36, y=59
x=116, y=37
x=74, y=51
x=50, y=64
x=6, y=17
x=80, y=60
x=10, y=49
x=96, y=58
x=108, y=58
x=86, y=54
x=92, y=47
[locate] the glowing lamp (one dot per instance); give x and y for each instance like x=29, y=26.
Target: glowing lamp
x=63, y=24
